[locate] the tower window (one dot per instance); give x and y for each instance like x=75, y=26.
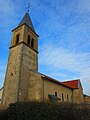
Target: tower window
x=17, y=39
x=62, y=97
x=28, y=40
x=32, y=43
x=55, y=93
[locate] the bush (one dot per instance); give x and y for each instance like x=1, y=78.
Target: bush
x=45, y=111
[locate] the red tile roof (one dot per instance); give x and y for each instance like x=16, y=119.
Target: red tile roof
x=73, y=83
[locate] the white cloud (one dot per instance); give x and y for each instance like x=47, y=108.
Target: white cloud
x=84, y=5
x=60, y=58
x=64, y=57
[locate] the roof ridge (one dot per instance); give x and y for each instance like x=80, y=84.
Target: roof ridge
x=70, y=80
x=54, y=80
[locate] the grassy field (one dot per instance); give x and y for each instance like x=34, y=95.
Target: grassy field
x=45, y=111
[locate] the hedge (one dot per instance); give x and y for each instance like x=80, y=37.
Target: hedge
x=45, y=111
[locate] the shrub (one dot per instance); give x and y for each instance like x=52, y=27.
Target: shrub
x=45, y=111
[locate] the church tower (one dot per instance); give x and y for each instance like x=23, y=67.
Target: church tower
x=22, y=68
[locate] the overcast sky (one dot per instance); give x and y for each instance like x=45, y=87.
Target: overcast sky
x=63, y=27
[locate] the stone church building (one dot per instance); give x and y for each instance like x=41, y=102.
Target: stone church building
x=23, y=82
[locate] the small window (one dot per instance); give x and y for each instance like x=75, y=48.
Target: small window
x=62, y=97
x=55, y=93
x=19, y=92
x=17, y=39
x=71, y=98
x=67, y=98
x=28, y=40
x=32, y=43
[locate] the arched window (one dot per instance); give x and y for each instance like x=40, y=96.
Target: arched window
x=17, y=39
x=62, y=97
x=55, y=93
x=28, y=40
x=32, y=43
x=67, y=97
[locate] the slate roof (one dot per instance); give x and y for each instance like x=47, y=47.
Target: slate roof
x=27, y=20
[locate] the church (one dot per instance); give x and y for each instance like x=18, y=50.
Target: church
x=23, y=82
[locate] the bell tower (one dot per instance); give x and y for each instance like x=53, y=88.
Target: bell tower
x=25, y=34
x=22, y=62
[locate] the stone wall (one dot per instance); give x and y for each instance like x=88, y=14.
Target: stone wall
x=50, y=87
x=35, y=87
x=22, y=59
x=19, y=31
x=29, y=80
x=87, y=99
x=27, y=32
x=11, y=82
x=78, y=95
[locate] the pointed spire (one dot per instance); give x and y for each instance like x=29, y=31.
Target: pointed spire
x=27, y=20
